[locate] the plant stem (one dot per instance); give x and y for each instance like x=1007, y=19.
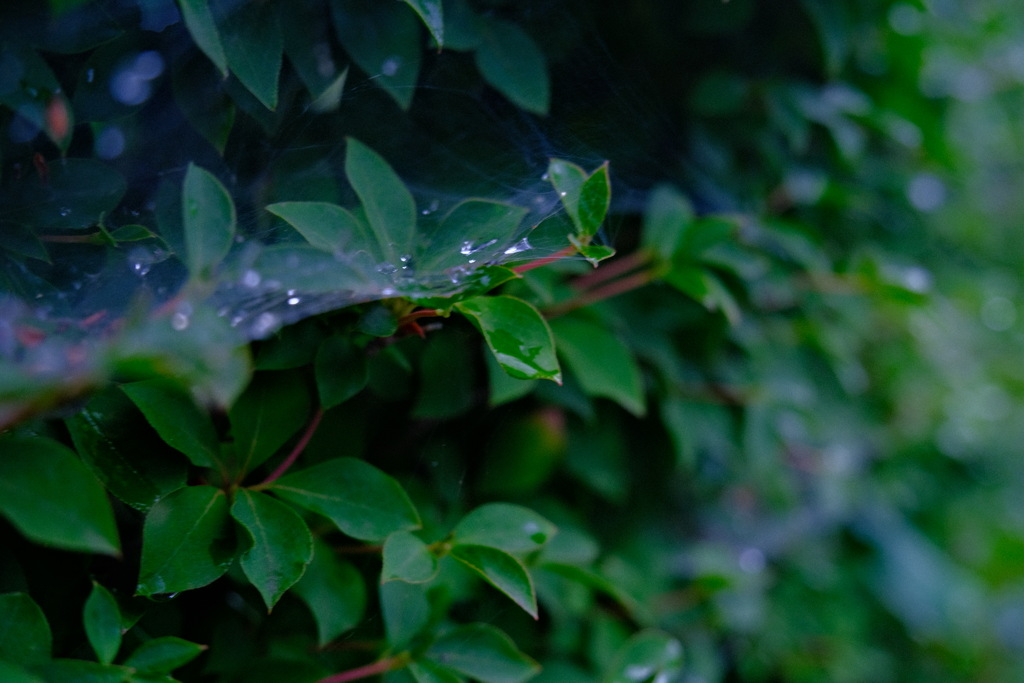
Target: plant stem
x=416, y=315
x=557, y=256
x=621, y=286
x=297, y=451
x=378, y=667
x=609, y=271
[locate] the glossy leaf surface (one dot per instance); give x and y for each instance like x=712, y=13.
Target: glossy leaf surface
x=512, y=528
x=175, y=416
x=208, y=220
x=361, y=500
x=516, y=334
x=102, y=619
x=186, y=541
x=163, y=655
x=483, y=653
x=501, y=570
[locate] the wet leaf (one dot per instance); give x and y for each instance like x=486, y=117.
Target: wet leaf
x=389, y=207
x=383, y=39
x=118, y=445
x=186, y=541
x=407, y=558
x=281, y=544
x=199, y=21
x=326, y=226
x=334, y=592
x=52, y=498
x=474, y=231
x=208, y=220
x=361, y=500
x=647, y=656
x=24, y=633
x=512, y=528
x=163, y=655
x=516, y=334
x=501, y=570
x=602, y=364
x=510, y=60
x=102, y=621
x=174, y=415
x=483, y=653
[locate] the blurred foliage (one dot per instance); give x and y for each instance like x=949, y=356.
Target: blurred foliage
x=783, y=442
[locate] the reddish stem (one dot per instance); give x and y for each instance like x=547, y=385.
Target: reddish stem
x=297, y=451
x=416, y=315
x=592, y=296
x=378, y=667
x=557, y=256
x=611, y=270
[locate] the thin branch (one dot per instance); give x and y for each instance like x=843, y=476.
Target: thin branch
x=597, y=294
x=297, y=451
x=378, y=667
x=543, y=261
x=611, y=270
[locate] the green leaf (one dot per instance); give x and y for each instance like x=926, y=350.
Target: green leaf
x=186, y=541
x=334, y=592
x=199, y=92
x=324, y=78
x=501, y=570
x=389, y=207
x=132, y=233
x=270, y=411
x=603, y=365
x=384, y=39
x=124, y=452
x=199, y=21
x=508, y=527
x=474, y=231
x=523, y=453
x=81, y=671
x=483, y=653
x=426, y=671
x=407, y=558
x=10, y=673
x=173, y=413
x=666, y=219
x=341, y=371
x=208, y=218
x=511, y=61
x=432, y=15
x=24, y=633
x=52, y=498
x=648, y=656
x=254, y=46
x=75, y=194
x=595, y=198
x=361, y=500
x=102, y=621
x=281, y=544
x=503, y=387
x=324, y=225
x=406, y=611
x=163, y=655
x=516, y=334
x=594, y=253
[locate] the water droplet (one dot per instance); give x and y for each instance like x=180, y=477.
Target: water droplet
x=64, y=211
x=251, y=279
x=545, y=176
x=141, y=269
x=469, y=248
x=520, y=246
x=391, y=65
x=264, y=324
x=293, y=301
x=562, y=193
x=387, y=291
x=290, y=292
x=386, y=268
x=179, y=321
x=90, y=75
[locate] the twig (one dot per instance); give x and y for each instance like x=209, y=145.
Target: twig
x=543, y=261
x=609, y=271
x=378, y=667
x=597, y=294
x=297, y=451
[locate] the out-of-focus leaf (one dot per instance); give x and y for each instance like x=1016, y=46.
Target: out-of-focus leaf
x=271, y=410
x=389, y=207
x=199, y=21
x=334, y=591
x=516, y=334
x=25, y=637
x=208, y=219
x=523, y=453
x=405, y=609
x=601, y=363
x=186, y=541
x=74, y=193
x=512, y=528
x=383, y=38
x=122, y=450
x=482, y=653
x=501, y=570
x=11, y=673
x=52, y=498
x=341, y=371
x=326, y=226
x=432, y=15
x=281, y=545
x=175, y=416
x=102, y=621
x=361, y=500
x=668, y=215
x=510, y=60
x=251, y=35
x=407, y=558
x=647, y=656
